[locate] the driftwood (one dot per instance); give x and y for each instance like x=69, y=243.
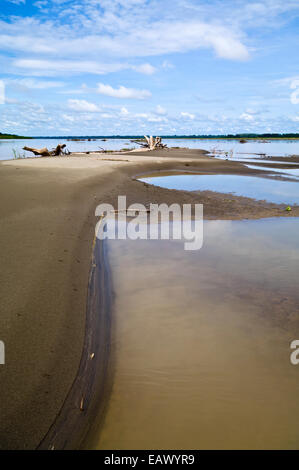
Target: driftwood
x=59, y=150
x=151, y=143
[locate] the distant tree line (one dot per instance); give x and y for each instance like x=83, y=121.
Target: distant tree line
x=194, y=136
x=12, y=136
x=233, y=136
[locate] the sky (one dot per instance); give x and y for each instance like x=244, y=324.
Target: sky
x=131, y=67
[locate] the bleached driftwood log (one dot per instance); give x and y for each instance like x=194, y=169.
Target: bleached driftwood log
x=44, y=152
x=152, y=143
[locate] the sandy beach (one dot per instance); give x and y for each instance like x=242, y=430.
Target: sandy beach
x=47, y=232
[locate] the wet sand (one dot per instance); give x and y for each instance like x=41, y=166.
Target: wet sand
x=47, y=228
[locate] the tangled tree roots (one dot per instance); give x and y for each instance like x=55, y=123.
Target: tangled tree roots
x=151, y=143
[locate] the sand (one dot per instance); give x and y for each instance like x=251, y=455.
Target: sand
x=47, y=228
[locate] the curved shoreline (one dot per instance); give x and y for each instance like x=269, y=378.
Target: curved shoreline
x=87, y=397
x=47, y=232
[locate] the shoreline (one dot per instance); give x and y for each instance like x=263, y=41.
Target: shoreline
x=48, y=205
x=90, y=390
x=140, y=137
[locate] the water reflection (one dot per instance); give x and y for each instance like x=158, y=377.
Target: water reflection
x=201, y=340
x=271, y=190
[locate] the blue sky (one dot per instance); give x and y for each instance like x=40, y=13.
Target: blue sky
x=103, y=67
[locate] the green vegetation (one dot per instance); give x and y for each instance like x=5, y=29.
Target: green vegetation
x=251, y=136
x=17, y=155
x=235, y=136
x=195, y=136
x=141, y=138
x=12, y=136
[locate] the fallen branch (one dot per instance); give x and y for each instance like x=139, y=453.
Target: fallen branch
x=44, y=152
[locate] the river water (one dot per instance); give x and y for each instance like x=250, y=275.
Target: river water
x=201, y=340
x=219, y=147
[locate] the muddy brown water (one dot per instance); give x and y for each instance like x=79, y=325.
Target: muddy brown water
x=201, y=341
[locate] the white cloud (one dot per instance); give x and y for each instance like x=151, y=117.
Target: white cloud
x=187, y=115
x=33, y=119
x=105, y=36
x=9, y=100
x=106, y=116
x=36, y=84
x=82, y=106
x=68, y=117
x=237, y=13
x=41, y=4
x=124, y=111
x=286, y=80
x=56, y=67
x=49, y=67
x=17, y=2
x=122, y=35
x=247, y=117
x=123, y=92
x=257, y=112
x=142, y=115
x=93, y=29
x=160, y=110
x=251, y=111
x=146, y=69
x=157, y=119
x=167, y=65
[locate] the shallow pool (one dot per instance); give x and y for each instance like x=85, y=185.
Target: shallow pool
x=201, y=341
x=272, y=190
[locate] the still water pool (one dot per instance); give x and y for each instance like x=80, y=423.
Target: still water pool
x=272, y=190
x=201, y=341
